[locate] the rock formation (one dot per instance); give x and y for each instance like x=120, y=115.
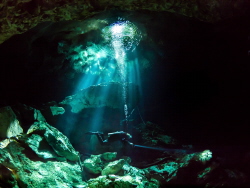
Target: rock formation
x=38, y=158
x=9, y=124
x=43, y=157
x=103, y=95
x=19, y=16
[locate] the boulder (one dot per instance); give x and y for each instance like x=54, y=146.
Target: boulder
x=27, y=115
x=52, y=112
x=22, y=171
x=109, y=156
x=126, y=181
x=55, y=110
x=9, y=125
x=41, y=147
x=113, y=167
x=163, y=172
x=59, y=142
x=132, y=171
x=117, y=172
x=93, y=165
x=4, y=143
x=25, y=160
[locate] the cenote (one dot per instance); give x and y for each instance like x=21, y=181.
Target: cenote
x=126, y=98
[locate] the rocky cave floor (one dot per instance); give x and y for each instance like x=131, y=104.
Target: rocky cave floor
x=36, y=154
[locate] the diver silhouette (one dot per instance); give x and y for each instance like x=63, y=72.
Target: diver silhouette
x=112, y=137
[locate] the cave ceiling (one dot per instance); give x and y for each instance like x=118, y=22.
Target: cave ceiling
x=18, y=16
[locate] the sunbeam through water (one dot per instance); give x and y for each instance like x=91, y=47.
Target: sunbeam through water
x=122, y=36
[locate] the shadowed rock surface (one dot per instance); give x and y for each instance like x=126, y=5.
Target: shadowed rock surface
x=20, y=16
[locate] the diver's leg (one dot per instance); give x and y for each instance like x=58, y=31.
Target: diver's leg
x=127, y=147
x=126, y=142
x=101, y=138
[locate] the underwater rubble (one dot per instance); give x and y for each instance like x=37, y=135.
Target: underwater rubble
x=36, y=154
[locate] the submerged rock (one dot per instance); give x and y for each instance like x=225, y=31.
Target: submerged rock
x=197, y=169
x=59, y=142
x=9, y=124
x=102, y=95
x=113, y=167
x=120, y=174
x=41, y=147
x=39, y=159
x=93, y=164
x=120, y=182
x=116, y=173
x=44, y=157
x=55, y=110
x=27, y=115
x=26, y=172
x=109, y=156
x=25, y=159
x=163, y=172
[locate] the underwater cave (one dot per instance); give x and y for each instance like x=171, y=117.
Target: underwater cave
x=124, y=94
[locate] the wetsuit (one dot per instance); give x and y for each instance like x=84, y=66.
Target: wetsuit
x=115, y=136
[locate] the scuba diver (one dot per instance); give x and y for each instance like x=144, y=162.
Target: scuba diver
x=113, y=137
